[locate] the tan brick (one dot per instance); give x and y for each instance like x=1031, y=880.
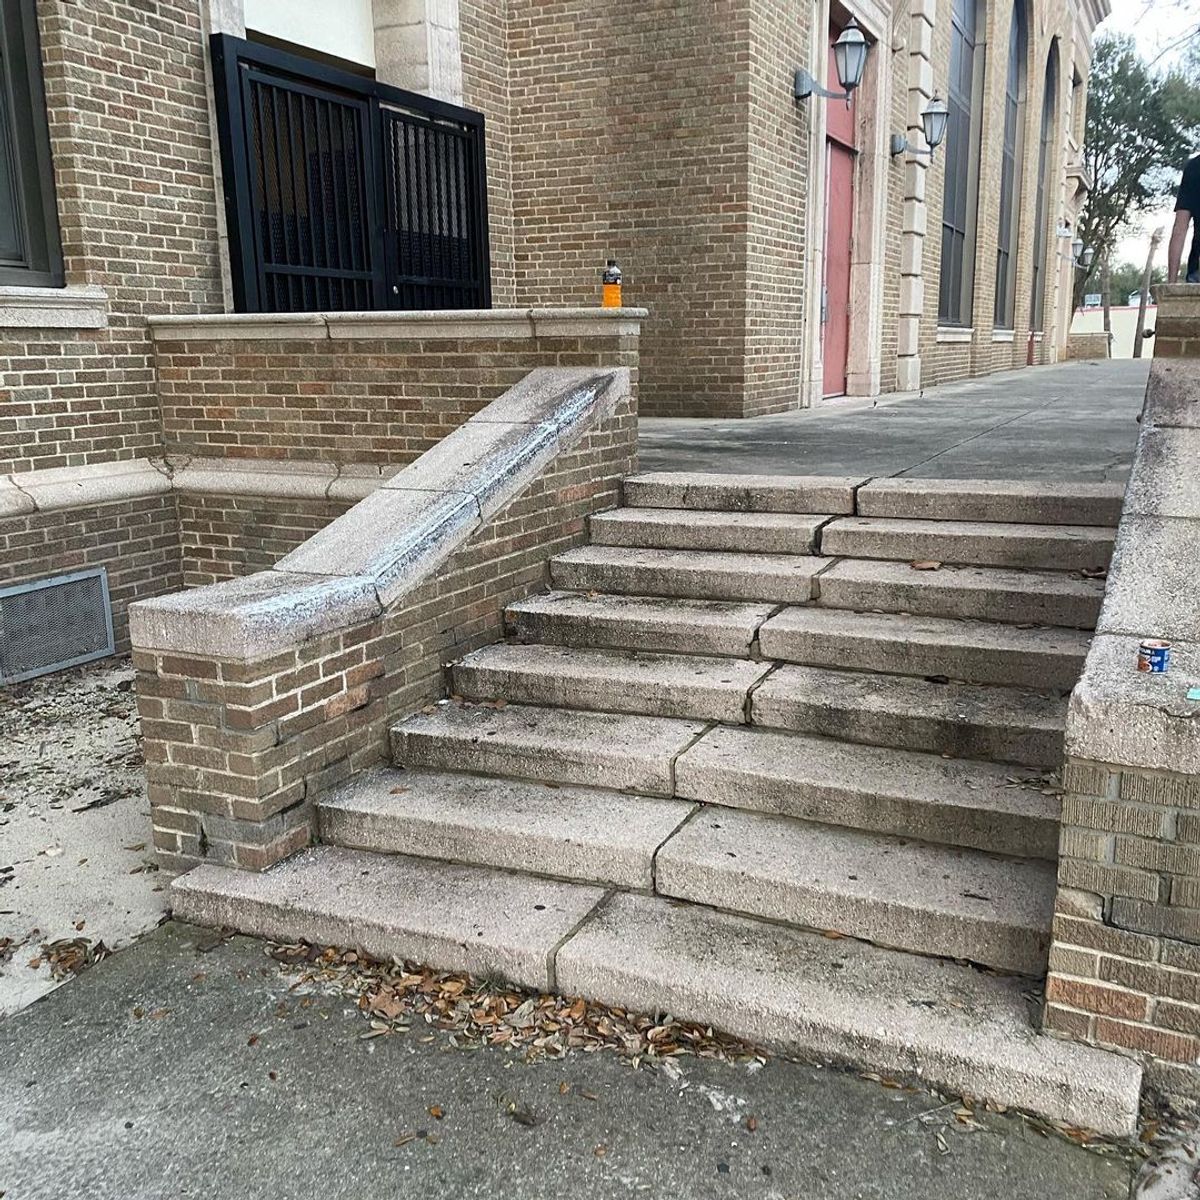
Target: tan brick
x=1095, y=998
x=1161, y=1043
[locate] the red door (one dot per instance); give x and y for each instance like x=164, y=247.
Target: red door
x=840, y=157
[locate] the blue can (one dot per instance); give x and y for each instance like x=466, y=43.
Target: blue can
x=1154, y=657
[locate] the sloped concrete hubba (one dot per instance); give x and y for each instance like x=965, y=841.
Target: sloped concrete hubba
x=259, y=693
x=395, y=538
x=1125, y=957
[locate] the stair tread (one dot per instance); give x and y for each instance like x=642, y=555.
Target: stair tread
x=926, y=630
x=623, y=752
x=957, y=1028
x=903, y=695
x=614, y=620
x=742, y=493
x=1008, y=594
x=822, y=779
x=712, y=574
x=998, y=543
x=914, y=895
x=458, y=917
x=963, y=719
x=682, y=528
x=610, y=680
x=1025, y=501
x=571, y=832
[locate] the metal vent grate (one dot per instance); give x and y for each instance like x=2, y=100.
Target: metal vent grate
x=54, y=623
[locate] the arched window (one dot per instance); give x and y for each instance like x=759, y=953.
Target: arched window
x=961, y=196
x=1037, y=312
x=1012, y=153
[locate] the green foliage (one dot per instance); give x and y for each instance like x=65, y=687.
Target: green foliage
x=1126, y=279
x=1142, y=127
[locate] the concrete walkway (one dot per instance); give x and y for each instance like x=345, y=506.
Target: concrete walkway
x=1069, y=421
x=170, y=1072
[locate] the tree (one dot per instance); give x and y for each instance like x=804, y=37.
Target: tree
x=1141, y=128
x=1126, y=279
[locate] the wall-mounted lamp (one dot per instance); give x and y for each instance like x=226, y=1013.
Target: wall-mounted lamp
x=850, y=59
x=934, y=120
x=1083, y=256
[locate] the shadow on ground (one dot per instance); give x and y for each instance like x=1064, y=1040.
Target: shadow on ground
x=170, y=1071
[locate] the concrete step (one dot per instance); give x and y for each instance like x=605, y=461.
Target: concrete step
x=584, y=834
x=1026, y=502
x=608, y=750
x=713, y=627
x=984, y=806
x=982, y=593
x=964, y=720
x=974, y=651
x=658, y=685
x=742, y=493
x=458, y=918
x=686, y=529
x=915, y=896
x=695, y=574
x=955, y=1028
x=983, y=543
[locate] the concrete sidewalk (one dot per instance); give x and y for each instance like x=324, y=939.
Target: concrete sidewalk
x=186, y=1066
x=1070, y=421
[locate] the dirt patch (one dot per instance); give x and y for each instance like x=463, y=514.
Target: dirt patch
x=77, y=873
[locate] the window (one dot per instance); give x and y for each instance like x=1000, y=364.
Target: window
x=961, y=195
x=29, y=247
x=1012, y=152
x=1049, y=118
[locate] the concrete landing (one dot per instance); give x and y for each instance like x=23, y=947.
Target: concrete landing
x=110, y=1107
x=1068, y=421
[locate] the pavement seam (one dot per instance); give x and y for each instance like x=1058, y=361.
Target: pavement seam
x=696, y=808
x=552, y=955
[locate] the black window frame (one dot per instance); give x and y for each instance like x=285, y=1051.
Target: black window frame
x=1048, y=135
x=25, y=141
x=380, y=270
x=960, y=197
x=1012, y=152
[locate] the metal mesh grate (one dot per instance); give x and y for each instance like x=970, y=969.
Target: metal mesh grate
x=50, y=624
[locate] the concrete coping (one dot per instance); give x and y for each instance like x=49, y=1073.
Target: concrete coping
x=1117, y=714
x=457, y=324
x=400, y=535
x=52, y=488
x=76, y=306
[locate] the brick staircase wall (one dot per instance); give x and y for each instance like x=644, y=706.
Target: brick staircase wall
x=1125, y=957
x=258, y=695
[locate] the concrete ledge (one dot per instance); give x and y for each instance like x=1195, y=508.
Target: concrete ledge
x=398, y=536
x=75, y=487
x=249, y=617
x=80, y=306
x=422, y=326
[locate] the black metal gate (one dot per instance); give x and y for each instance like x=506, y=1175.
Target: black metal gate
x=343, y=193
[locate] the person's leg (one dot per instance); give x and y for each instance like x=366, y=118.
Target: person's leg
x=1193, y=263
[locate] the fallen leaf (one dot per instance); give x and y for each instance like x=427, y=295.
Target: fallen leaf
x=436, y=1112
x=752, y=1124
x=925, y=565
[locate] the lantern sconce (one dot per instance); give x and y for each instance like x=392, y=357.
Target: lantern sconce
x=934, y=120
x=1082, y=256
x=849, y=57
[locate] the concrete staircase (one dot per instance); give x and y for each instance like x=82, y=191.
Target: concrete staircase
x=748, y=764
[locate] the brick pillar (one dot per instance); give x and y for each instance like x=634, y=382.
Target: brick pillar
x=1125, y=956
x=912, y=246
x=418, y=46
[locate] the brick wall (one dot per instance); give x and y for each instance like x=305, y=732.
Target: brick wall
x=137, y=540
x=1125, y=956
x=237, y=752
x=350, y=400
x=483, y=29
x=133, y=170
x=222, y=537
x=630, y=140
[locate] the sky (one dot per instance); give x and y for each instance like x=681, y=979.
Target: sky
x=1153, y=24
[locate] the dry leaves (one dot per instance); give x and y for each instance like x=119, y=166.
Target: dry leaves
x=394, y=997
x=926, y=564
